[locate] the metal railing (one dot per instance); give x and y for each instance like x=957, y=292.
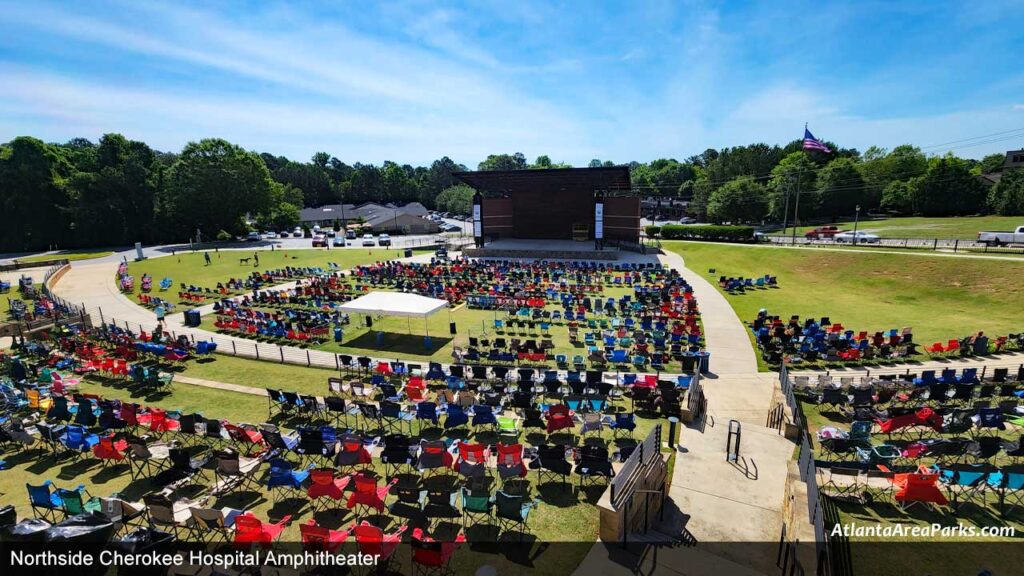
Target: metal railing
x=623, y=484
x=935, y=244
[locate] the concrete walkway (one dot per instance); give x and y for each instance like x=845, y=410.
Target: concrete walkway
x=725, y=335
x=717, y=508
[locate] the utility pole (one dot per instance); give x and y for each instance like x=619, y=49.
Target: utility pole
x=796, y=208
x=785, y=211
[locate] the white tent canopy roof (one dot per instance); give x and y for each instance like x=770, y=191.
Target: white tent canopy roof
x=394, y=304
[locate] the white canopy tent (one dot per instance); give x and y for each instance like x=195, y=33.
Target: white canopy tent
x=399, y=304
x=394, y=304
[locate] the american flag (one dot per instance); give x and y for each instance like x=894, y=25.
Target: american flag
x=812, y=143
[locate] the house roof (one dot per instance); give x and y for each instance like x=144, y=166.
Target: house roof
x=368, y=211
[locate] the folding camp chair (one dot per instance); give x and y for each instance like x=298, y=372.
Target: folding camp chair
x=372, y=541
x=551, y=462
x=45, y=500
x=513, y=512
x=843, y=483
x=476, y=504
x=317, y=538
x=398, y=451
x=164, y=514
x=594, y=464
x=472, y=460
x=234, y=472
x=353, y=453
x=148, y=458
x=1009, y=484
x=325, y=486
x=624, y=423
x=285, y=478
x=440, y=505
x=483, y=417
x=916, y=488
x=433, y=458
x=395, y=419
x=210, y=525
x=967, y=483
x=430, y=556
x=366, y=495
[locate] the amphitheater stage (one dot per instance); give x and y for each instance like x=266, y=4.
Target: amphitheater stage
x=536, y=249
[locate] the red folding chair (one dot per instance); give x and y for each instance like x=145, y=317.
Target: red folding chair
x=367, y=496
x=325, y=484
x=510, y=460
x=472, y=460
x=250, y=530
x=430, y=553
x=316, y=538
x=559, y=417
x=373, y=541
x=110, y=451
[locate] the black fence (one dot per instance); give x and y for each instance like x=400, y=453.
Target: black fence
x=624, y=482
x=935, y=244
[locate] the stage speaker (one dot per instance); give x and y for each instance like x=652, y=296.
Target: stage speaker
x=451, y=328
x=369, y=321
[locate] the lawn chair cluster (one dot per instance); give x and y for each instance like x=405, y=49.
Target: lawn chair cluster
x=945, y=439
x=741, y=284
x=812, y=340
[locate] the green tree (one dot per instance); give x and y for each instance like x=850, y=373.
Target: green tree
x=741, y=200
x=115, y=200
x=898, y=196
x=213, y=185
x=793, y=170
x=949, y=189
x=35, y=203
x=840, y=188
x=1006, y=198
x=456, y=199
x=515, y=161
x=991, y=163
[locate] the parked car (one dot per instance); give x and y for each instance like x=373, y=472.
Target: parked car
x=861, y=237
x=282, y=234
x=368, y=240
x=687, y=220
x=331, y=233
x=252, y=236
x=384, y=240
x=338, y=241
x=1002, y=238
x=822, y=232
x=446, y=227
x=270, y=235
x=319, y=240
x=297, y=232
x=350, y=235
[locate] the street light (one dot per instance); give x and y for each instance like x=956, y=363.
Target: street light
x=856, y=220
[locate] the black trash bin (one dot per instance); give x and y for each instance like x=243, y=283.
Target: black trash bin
x=192, y=318
x=408, y=252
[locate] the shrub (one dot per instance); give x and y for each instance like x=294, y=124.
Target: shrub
x=224, y=236
x=708, y=232
x=652, y=231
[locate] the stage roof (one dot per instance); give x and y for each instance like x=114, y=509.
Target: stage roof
x=394, y=304
x=615, y=180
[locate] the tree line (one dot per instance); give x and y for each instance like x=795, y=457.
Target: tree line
x=118, y=191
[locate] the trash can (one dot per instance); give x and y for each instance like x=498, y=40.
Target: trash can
x=192, y=318
x=380, y=339
x=704, y=362
x=337, y=334
x=408, y=252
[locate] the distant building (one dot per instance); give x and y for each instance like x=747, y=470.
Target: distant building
x=1014, y=159
x=407, y=219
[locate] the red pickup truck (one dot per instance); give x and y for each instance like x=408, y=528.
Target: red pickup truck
x=822, y=232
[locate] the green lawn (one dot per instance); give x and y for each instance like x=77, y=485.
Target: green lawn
x=941, y=298
x=564, y=515
x=191, y=268
x=403, y=339
x=71, y=255
x=962, y=227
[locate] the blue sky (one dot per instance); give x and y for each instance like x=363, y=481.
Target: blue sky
x=413, y=81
